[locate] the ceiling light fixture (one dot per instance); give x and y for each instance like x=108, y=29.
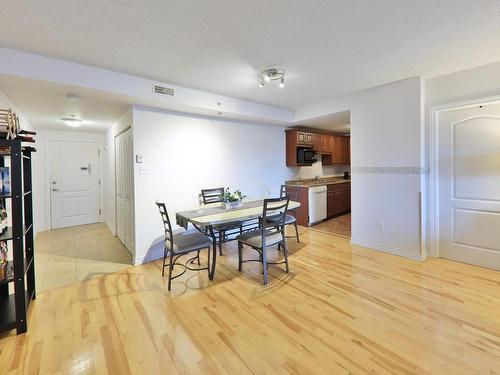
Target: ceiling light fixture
x=72, y=121
x=272, y=74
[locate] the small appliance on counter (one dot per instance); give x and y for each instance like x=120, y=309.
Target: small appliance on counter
x=346, y=175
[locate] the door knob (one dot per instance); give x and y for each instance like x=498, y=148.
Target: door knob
x=55, y=189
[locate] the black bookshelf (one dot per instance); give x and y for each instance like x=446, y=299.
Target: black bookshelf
x=14, y=305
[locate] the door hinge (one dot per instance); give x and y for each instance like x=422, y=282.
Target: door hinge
x=98, y=152
x=99, y=182
x=100, y=211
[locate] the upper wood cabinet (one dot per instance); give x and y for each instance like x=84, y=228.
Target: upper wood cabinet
x=341, y=153
x=323, y=143
x=305, y=138
x=334, y=148
x=294, y=139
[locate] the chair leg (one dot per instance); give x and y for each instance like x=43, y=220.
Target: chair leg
x=221, y=236
x=170, y=268
x=198, y=257
x=264, y=265
x=240, y=255
x=296, y=231
x=285, y=252
x=164, y=259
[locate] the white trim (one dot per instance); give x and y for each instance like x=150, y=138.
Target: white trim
x=434, y=163
x=149, y=257
x=390, y=250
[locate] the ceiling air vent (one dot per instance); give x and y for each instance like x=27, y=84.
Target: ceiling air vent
x=161, y=90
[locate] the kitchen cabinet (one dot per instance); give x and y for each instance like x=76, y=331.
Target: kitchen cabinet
x=341, y=153
x=295, y=139
x=323, y=143
x=334, y=148
x=338, y=199
x=305, y=138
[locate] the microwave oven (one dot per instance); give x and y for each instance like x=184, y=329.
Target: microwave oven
x=305, y=155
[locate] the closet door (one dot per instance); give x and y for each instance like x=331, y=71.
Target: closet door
x=125, y=189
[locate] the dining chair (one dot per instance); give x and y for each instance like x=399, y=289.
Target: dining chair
x=270, y=233
x=214, y=195
x=292, y=192
x=178, y=244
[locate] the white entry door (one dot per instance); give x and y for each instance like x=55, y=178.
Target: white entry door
x=469, y=187
x=74, y=183
x=124, y=157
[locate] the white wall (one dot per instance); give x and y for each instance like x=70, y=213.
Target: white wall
x=41, y=175
x=187, y=153
x=386, y=149
x=122, y=124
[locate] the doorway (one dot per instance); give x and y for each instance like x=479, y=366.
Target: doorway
x=74, y=183
x=469, y=185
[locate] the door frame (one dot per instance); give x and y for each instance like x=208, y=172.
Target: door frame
x=70, y=137
x=433, y=191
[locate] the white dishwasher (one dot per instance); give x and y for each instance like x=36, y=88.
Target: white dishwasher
x=317, y=204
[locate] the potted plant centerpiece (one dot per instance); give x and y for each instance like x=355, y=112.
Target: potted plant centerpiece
x=231, y=200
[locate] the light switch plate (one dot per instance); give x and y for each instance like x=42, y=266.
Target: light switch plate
x=143, y=170
x=138, y=158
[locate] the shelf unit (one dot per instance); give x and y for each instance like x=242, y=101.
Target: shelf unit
x=14, y=306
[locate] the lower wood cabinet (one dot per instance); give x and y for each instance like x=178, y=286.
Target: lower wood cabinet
x=338, y=199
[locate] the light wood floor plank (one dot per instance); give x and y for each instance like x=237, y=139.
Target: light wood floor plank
x=342, y=309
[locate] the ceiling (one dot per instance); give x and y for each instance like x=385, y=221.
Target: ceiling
x=339, y=122
x=44, y=104
x=327, y=47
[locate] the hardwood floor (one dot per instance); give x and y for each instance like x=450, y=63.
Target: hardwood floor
x=341, y=310
x=340, y=225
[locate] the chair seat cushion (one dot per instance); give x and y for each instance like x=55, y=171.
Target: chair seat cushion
x=190, y=240
x=289, y=219
x=254, y=238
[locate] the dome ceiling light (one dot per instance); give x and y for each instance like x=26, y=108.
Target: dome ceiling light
x=272, y=74
x=72, y=121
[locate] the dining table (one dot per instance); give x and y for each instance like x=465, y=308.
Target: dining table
x=208, y=217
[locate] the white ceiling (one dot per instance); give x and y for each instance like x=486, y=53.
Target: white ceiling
x=328, y=48
x=339, y=122
x=44, y=104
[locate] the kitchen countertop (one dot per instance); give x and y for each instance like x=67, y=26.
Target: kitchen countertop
x=322, y=181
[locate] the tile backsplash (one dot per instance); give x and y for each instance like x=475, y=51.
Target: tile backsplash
x=317, y=169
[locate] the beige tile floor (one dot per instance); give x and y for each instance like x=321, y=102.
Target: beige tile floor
x=70, y=255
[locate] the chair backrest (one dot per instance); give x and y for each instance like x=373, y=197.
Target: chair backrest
x=212, y=195
x=291, y=192
x=274, y=208
x=169, y=236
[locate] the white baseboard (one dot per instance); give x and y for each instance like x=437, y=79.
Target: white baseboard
x=390, y=250
x=154, y=253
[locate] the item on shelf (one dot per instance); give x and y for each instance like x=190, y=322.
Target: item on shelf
x=5, y=177
x=9, y=124
x=3, y=268
x=4, y=252
x=3, y=219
